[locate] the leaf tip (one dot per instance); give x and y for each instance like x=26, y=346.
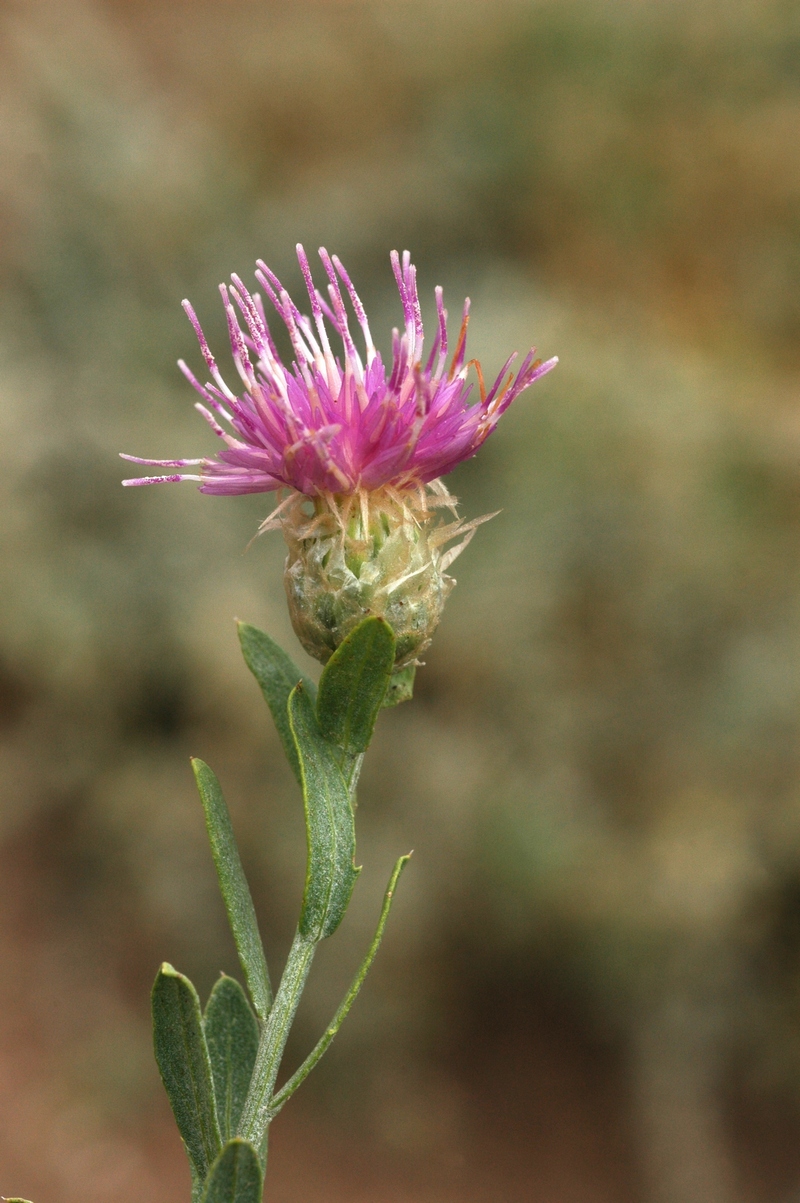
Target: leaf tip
x=200, y=770
x=244, y=631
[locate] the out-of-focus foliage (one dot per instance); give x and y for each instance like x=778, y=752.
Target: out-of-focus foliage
x=600, y=770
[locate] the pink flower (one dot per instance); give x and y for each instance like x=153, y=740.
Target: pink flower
x=339, y=425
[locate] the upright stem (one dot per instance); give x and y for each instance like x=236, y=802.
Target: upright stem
x=256, y=1113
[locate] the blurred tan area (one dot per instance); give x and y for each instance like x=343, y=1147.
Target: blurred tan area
x=589, y=991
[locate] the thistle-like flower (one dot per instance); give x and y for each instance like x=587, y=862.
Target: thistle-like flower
x=357, y=448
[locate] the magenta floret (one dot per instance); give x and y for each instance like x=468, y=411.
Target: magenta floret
x=337, y=425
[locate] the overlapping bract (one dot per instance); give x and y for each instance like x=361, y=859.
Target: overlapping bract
x=338, y=425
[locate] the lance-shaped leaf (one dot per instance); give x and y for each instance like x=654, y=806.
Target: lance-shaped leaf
x=235, y=1176
x=353, y=685
x=183, y=1060
x=330, y=828
x=277, y=675
x=234, y=888
x=231, y=1031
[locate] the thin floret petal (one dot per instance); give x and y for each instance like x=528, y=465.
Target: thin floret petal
x=330, y=422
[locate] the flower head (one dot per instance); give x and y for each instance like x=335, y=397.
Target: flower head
x=358, y=447
x=334, y=425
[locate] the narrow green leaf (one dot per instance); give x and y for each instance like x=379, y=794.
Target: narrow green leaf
x=235, y=1176
x=231, y=1031
x=353, y=685
x=234, y=888
x=401, y=686
x=182, y=1058
x=277, y=675
x=286, y=1092
x=330, y=828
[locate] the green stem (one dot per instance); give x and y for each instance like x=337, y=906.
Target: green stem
x=256, y=1111
x=286, y=1091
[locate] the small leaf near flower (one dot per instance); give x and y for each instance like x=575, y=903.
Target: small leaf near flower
x=330, y=827
x=401, y=687
x=277, y=675
x=353, y=685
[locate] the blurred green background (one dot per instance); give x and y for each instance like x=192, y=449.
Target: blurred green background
x=590, y=986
